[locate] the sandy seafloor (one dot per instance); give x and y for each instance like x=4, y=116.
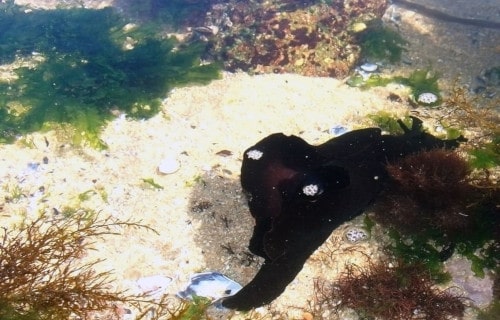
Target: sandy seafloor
x=201, y=207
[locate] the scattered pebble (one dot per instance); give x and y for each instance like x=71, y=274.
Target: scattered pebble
x=33, y=166
x=356, y=234
x=224, y=153
x=213, y=285
x=168, y=166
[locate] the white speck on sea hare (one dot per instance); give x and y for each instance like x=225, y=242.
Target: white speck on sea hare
x=254, y=154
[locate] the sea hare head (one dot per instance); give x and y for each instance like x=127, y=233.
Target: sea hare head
x=299, y=193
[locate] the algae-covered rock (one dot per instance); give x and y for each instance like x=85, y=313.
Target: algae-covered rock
x=311, y=38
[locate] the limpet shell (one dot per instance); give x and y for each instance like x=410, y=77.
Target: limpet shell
x=427, y=98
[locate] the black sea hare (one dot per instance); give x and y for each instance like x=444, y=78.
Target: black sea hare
x=298, y=194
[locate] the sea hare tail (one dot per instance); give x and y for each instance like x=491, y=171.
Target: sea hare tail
x=271, y=280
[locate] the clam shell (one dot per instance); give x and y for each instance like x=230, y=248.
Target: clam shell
x=212, y=285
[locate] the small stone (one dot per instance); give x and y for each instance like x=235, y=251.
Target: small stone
x=224, y=153
x=358, y=27
x=299, y=62
x=168, y=166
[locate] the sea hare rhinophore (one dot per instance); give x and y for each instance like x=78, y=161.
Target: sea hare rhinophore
x=299, y=193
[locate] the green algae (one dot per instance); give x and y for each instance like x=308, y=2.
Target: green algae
x=389, y=122
x=431, y=247
x=419, y=81
x=194, y=310
x=87, y=66
x=422, y=81
x=419, y=250
x=487, y=155
x=151, y=182
x=492, y=312
x=380, y=43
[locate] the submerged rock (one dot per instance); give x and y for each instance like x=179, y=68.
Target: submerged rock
x=312, y=38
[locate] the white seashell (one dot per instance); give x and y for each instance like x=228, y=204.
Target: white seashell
x=427, y=98
x=168, y=166
x=212, y=285
x=356, y=235
x=369, y=67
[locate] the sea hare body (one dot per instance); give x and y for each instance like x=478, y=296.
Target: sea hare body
x=299, y=193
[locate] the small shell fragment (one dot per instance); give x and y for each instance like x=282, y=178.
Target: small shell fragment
x=369, y=67
x=337, y=130
x=168, y=166
x=153, y=285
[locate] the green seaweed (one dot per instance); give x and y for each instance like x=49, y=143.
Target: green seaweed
x=422, y=81
x=389, y=122
x=83, y=73
x=380, y=43
x=152, y=183
x=486, y=156
x=419, y=81
x=373, y=80
x=172, y=12
x=194, y=310
x=478, y=244
x=492, y=312
x=368, y=223
x=452, y=133
x=419, y=250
